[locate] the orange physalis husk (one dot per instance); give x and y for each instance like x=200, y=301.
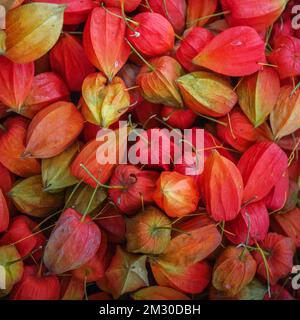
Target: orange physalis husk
x=159, y=293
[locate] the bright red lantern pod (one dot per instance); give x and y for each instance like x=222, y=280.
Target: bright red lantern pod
x=194, y=40
x=253, y=218
x=4, y=213
x=6, y=179
x=279, y=252
x=100, y=51
x=235, y=52
x=261, y=166
x=284, y=56
x=173, y=10
x=146, y=112
x=12, y=145
x=35, y=286
x=47, y=88
x=222, y=187
x=176, y=194
x=181, y=119
x=151, y=34
x=198, y=9
x=258, y=15
x=15, y=82
x=68, y=55
x=73, y=242
x=136, y=187
x=76, y=11
x=129, y=5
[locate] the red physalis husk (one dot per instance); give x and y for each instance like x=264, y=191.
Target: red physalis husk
x=261, y=166
x=6, y=179
x=222, y=187
x=149, y=232
x=15, y=81
x=176, y=194
x=88, y=158
x=159, y=293
x=151, y=34
x=68, y=55
x=126, y=273
x=71, y=288
x=139, y=187
x=278, y=293
x=145, y=112
x=284, y=56
x=72, y=243
x=173, y=10
x=12, y=145
x=21, y=231
x=109, y=59
x=195, y=39
x=76, y=12
x=279, y=252
x=252, y=224
x=239, y=132
x=35, y=286
x=94, y=269
x=129, y=5
x=46, y=141
x=250, y=13
x=158, y=84
x=47, y=88
x=4, y=212
x=181, y=119
x=192, y=279
x=198, y=9
x=281, y=28
x=234, y=270
x=287, y=224
x=234, y=52
x=278, y=196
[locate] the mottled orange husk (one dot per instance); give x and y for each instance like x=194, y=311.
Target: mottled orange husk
x=46, y=89
x=72, y=288
x=72, y=243
x=15, y=82
x=233, y=270
x=4, y=213
x=48, y=135
x=222, y=188
x=261, y=166
x=158, y=85
x=12, y=145
x=159, y=293
x=288, y=224
x=197, y=9
x=176, y=194
x=103, y=29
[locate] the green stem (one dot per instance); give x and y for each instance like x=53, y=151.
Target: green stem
x=247, y=236
x=116, y=15
x=211, y=119
x=89, y=204
x=266, y=266
x=210, y=16
x=73, y=192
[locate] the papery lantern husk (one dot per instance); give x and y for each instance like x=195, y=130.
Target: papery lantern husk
x=46, y=141
x=102, y=54
x=56, y=173
x=105, y=102
x=250, y=13
x=198, y=9
x=181, y=119
x=261, y=166
x=158, y=85
x=32, y=30
x=72, y=288
x=4, y=212
x=129, y=5
x=72, y=243
x=6, y=179
x=258, y=94
x=279, y=252
x=47, y=88
x=138, y=187
x=68, y=55
x=207, y=93
x=176, y=194
x=12, y=145
x=13, y=268
x=28, y=197
x=285, y=118
x=287, y=224
x=233, y=270
x=235, y=52
x=82, y=196
x=144, y=33
x=15, y=80
x=159, y=293
x=148, y=232
x=222, y=188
